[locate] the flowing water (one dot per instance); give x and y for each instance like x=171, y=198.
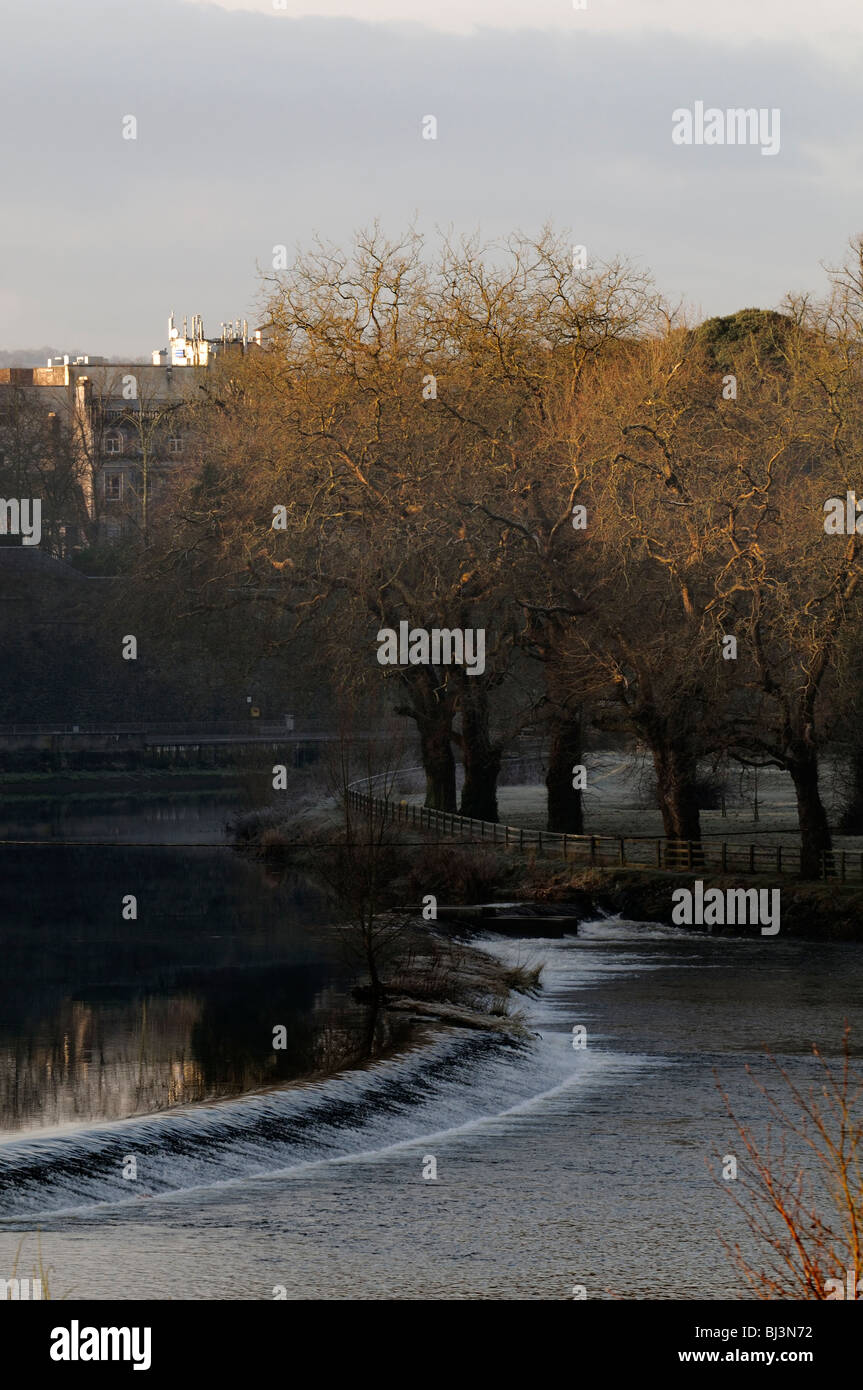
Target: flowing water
x=555, y=1165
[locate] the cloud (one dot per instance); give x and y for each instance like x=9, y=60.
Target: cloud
x=254, y=131
x=828, y=25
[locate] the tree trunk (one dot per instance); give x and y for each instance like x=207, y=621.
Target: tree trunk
x=815, y=838
x=370, y=1028
x=676, y=786
x=565, y=810
x=438, y=762
x=432, y=708
x=481, y=756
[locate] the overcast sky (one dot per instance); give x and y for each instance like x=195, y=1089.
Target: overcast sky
x=259, y=125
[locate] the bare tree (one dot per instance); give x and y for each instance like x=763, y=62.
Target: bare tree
x=800, y=1191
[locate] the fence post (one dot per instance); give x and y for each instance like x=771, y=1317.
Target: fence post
x=621, y=851
x=779, y=859
x=724, y=855
x=593, y=849
x=521, y=839
x=564, y=844
x=752, y=858
x=540, y=842
x=659, y=854
x=842, y=866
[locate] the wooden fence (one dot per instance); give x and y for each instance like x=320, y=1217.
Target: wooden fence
x=608, y=851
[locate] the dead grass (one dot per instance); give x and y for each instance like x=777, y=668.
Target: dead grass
x=40, y=1271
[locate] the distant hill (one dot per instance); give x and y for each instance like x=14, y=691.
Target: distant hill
x=38, y=357
x=33, y=357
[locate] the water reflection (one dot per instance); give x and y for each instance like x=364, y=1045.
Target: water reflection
x=102, y=1017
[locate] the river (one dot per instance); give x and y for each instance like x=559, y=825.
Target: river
x=554, y=1166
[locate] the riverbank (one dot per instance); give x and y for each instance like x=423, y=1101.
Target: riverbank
x=426, y=969
x=467, y=872
x=809, y=911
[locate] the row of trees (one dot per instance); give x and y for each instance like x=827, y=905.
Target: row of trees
x=632, y=509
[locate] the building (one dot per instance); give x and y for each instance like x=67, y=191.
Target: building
x=101, y=437
x=198, y=350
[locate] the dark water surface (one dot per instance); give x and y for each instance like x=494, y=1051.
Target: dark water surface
x=104, y=1015
x=555, y=1166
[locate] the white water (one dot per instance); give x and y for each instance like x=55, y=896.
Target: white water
x=458, y=1079
x=555, y=1166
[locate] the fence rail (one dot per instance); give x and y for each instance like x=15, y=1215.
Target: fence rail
x=615, y=851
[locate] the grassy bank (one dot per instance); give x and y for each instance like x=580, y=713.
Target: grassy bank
x=466, y=873
x=809, y=911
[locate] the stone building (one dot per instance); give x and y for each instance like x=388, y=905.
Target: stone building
x=101, y=438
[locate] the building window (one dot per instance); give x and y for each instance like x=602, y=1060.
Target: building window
x=175, y=444
x=113, y=444
x=113, y=487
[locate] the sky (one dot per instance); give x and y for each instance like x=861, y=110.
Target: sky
x=261, y=123
x=827, y=24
